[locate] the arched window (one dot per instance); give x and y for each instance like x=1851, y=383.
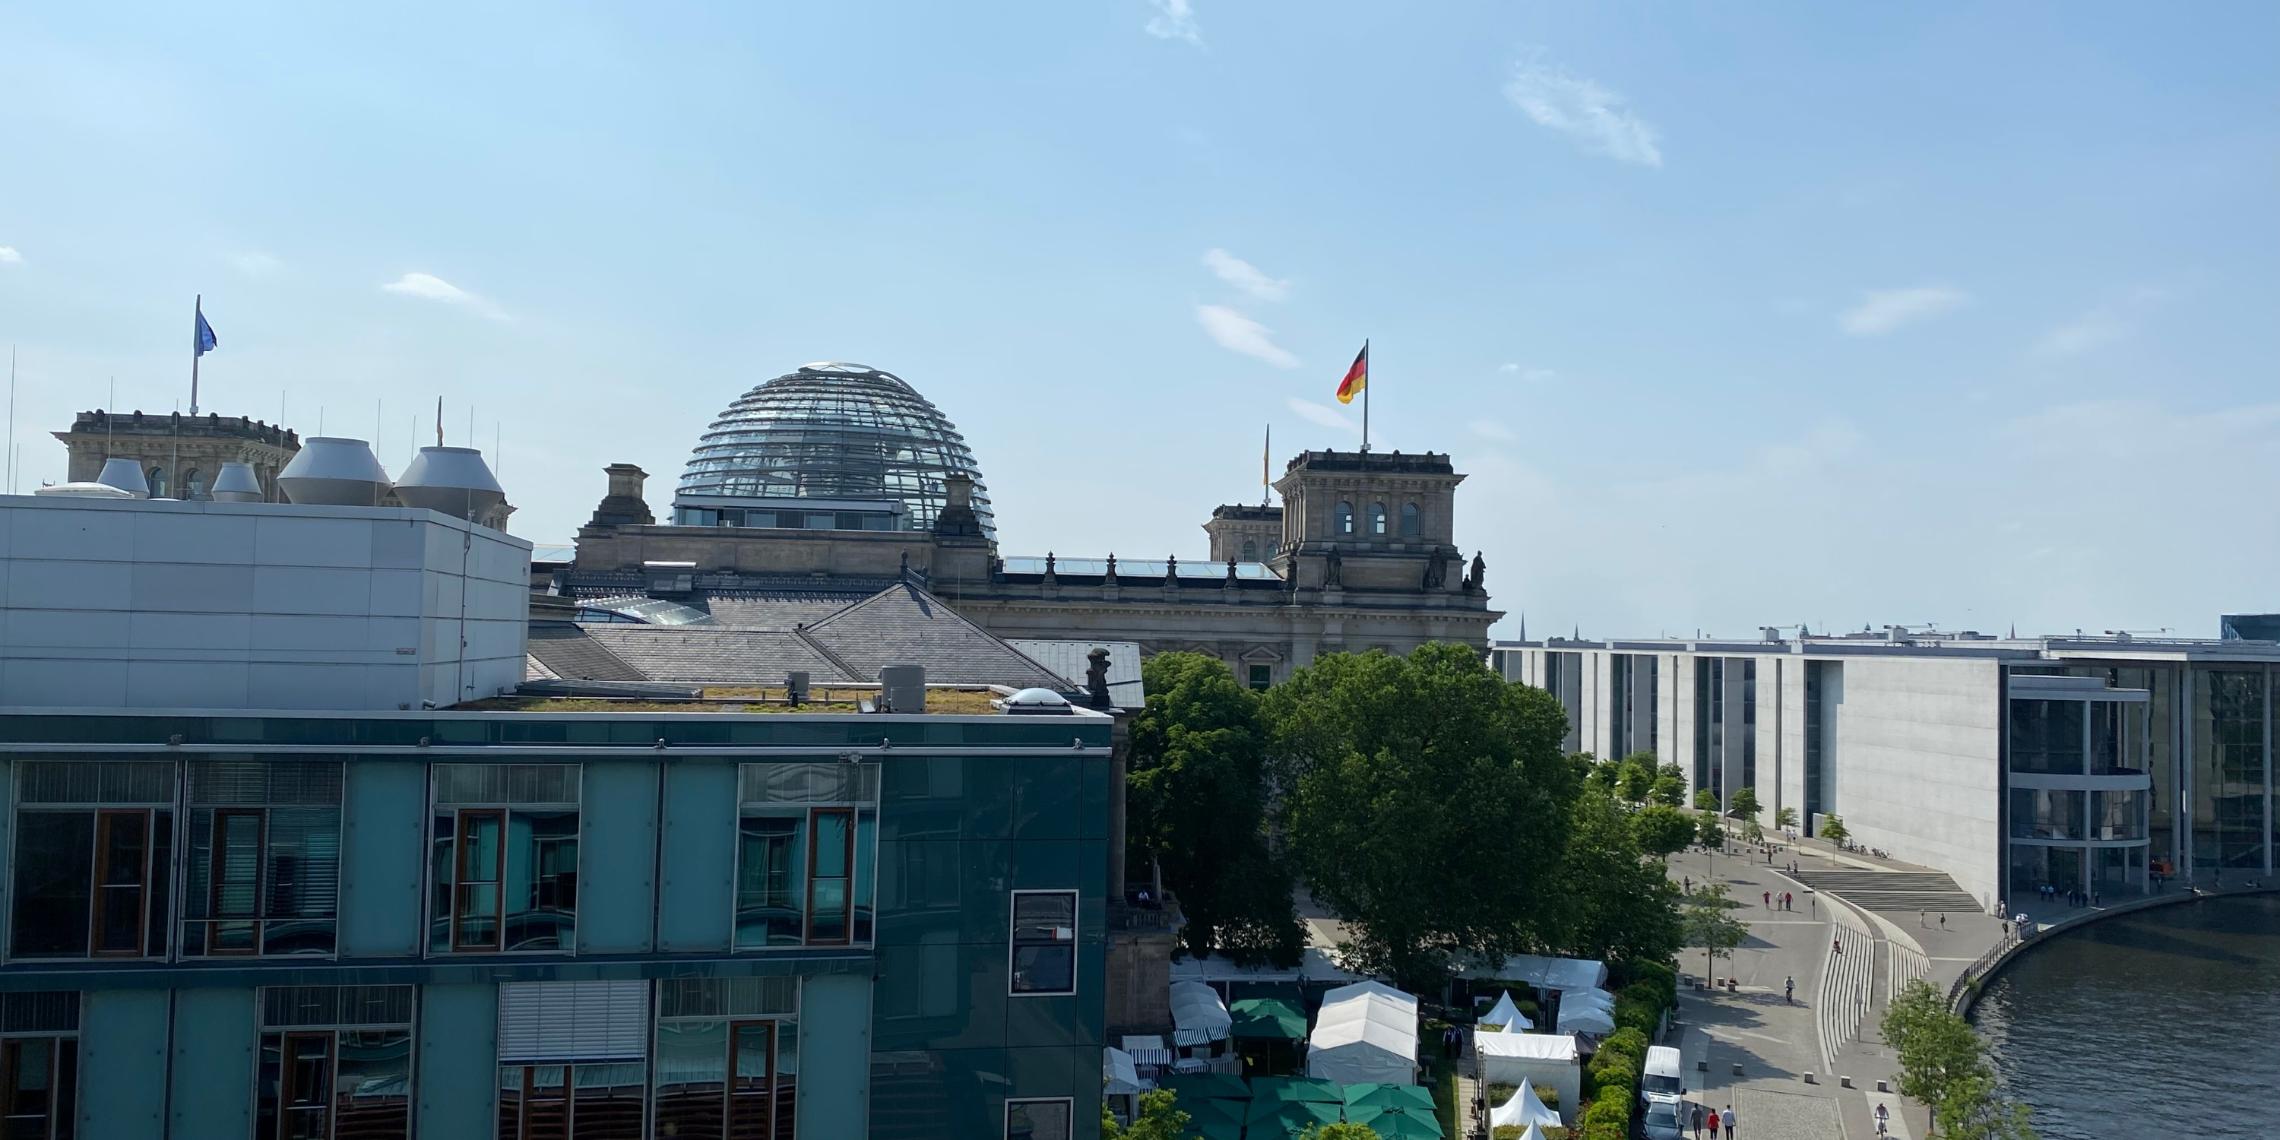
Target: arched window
x=1250, y=550
x=1273, y=548
x=158, y=482
x=1411, y=524
x=1377, y=518
x=190, y=485
x=1341, y=518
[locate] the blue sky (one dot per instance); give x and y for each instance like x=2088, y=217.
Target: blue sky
x=1736, y=314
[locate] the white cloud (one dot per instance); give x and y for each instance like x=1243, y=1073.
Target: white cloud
x=1492, y=429
x=1174, y=20
x=1235, y=332
x=1577, y=107
x=1245, y=276
x=1882, y=310
x=1531, y=375
x=2102, y=326
x=428, y=287
x=256, y=264
x=1323, y=415
x=9, y=256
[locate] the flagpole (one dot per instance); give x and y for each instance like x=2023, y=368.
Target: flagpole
x=197, y=312
x=1365, y=394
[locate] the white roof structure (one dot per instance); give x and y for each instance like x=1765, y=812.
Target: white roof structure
x=1506, y=1014
x=1117, y=1073
x=1366, y=1033
x=1533, y=1133
x=1315, y=965
x=1524, y=1108
x=1583, y=1017
x=1198, y=1016
x=1527, y=1046
x=1544, y=973
x=1569, y=999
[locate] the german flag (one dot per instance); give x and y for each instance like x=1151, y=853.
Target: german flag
x=1357, y=377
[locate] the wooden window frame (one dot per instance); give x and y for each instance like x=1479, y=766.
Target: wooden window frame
x=728, y=1084
x=847, y=908
x=498, y=880
x=11, y=1050
x=214, y=914
x=104, y=819
x=285, y=1091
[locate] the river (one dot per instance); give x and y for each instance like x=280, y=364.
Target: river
x=2162, y=1024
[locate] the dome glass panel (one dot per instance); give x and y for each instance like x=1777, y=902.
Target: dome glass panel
x=841, y=432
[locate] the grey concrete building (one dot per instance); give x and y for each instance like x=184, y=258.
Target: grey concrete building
x=2092, y=762
x=178, y=454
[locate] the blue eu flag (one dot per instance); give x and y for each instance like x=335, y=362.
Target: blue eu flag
x=206, y=338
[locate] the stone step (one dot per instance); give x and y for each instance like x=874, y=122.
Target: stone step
x=1897, y=892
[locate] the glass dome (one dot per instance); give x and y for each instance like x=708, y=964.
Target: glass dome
x=836, y=431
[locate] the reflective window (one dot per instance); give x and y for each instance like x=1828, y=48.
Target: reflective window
x=2046, y=736
x=336, y=1063
x=2117, y=815
x=1342, y=518
x=1044, y=942
x=1038, y=1119
x=806, y=843
x=727, y=1064
x=573, y=1060
x=157, y=480
x=1262, y=677
x=505, y=858
x=1250, y=550
x=1377, y=518
x=2228, y=769
x=93, y=845
x=1412, y=524
x=2048, y=813
x=39, y=1065
x=262, y=874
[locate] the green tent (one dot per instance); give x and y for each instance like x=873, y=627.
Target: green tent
x=1405, y=1098
x=1270, y=1095
x=1292, y=1118
x=1213, y=1119
x=1270, y=1019
x=1405, y=1126
x=1206, y=1086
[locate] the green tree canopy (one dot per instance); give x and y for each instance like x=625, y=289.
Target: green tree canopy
x=1711, y=925
x=1635, y=777
x=1343, y=1130
x=1670, y=786
x=1424, y=801
x=1785, y=818
x=1743, y=804
x=1705, y=800
x=1833, y=829
x=1713, y=829
x=1161, y=1118
x=1662, y=830
x=1197, y=801
x=1943, y=1064
x=1613, y=903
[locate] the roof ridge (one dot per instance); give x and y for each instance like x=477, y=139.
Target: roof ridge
x=825, y=652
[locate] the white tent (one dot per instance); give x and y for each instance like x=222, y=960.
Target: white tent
x=1571, y=998
x=1548, y=1059
x=1543, y=973
x=1584, y=1017
x=1524, y=1108
x=1533, y=1133
x=1506, y=1014
x=1198, y=1016
x=1366, y=1033
x=1118, y=1075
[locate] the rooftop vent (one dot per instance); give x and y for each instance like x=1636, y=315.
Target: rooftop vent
x=126, y=475
x=1035, y=702
x=334, y=472
x=236, y=483
x=85, y=491
x=453, y=481
x=902, y=688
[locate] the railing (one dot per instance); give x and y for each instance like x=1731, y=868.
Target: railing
x=1974, y=973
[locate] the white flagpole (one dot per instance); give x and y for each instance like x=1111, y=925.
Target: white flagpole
x=197, y=314
x=1365, y=394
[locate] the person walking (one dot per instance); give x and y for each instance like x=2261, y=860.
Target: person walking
x=1698, y=1122
x=1713, y=1124
x=1836, y=945
x=1730, y=1119
x=1943, y=920
x=1789, y=990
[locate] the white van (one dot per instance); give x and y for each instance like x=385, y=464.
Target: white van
x=1662, y=1083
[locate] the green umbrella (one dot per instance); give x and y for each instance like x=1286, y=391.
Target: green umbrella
x=1290, y=1119
x=1213, y=1119
x=1297, y=1088
x=1269, y=1018
x=1405, y=1126
x=1207, y=1086
x=1402, y=1097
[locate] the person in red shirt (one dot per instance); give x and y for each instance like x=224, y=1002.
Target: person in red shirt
x=1713, y=1122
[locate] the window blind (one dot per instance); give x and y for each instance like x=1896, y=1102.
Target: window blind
x=510, y=785
x=260, y=783
x=326, y=1007
x=727, y=997
x=106, y=782
x=833, y=783
x=50, y=1011
x=558, y=1022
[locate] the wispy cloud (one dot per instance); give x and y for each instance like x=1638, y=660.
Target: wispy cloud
x=256, y=264
x=1235, y=332
x=2098, y=328
x=1574, y=106
x=1174, y=20
x=428, y=287
x=1492, y=429
x=9, y=256
x=1245, y=276
x=1882, y=310
x=1323, y=415
x=1532, y=375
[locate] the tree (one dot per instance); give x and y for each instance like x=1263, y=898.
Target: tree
x=1711, y=925
x=1743, y=804
x=1833, y=829
x=1161, y=1117
x=1635, y=776
x=1705, y=800
x=1752, y=830
x=1595, y=774
x=1785, y=818
x=1197, y=800
x=1613, y=903
x=1713, y=829
x=1944, y=1064
x=1662, y=830
x=1670, y=786
x=1424, y=800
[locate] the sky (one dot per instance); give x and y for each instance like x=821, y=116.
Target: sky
x=1735, y=315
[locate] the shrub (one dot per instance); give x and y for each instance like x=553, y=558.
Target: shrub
x=1609, y=1117
x=1515, y=1132
x=1499, y=1092
x=1661, y=975
x=1640, y=1006
x=1549, y=1095
x=1620, y=1058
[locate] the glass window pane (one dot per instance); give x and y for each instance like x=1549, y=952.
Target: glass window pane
x=375, y=1085
x=542, y=879
x=752, y=1089
x=55, y=862
x=121, y=847
x=236, y=864
x=769, y=904
x=1037, y=1120
x=692, y=1071
x=611, y=1102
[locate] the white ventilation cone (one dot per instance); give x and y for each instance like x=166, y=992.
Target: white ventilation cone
x=126, y=475
x=453, y=481
x=334, y=472
x=236, y=483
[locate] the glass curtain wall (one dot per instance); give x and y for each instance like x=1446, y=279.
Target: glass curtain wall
x=504, y=866
x=93, y=850
x=262, y=873
x=336, y=1063
x=2229, y=767
x=807, y=839
x=727, y=1058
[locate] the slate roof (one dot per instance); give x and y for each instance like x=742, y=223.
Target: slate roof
x=777, y=613
x=905, y=625
x=567, y=650
x=710, y=654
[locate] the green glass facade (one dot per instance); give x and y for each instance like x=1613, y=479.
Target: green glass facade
x=529, y=926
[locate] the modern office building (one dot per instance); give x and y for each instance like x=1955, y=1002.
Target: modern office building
x=2007, y=762
x=284, y=861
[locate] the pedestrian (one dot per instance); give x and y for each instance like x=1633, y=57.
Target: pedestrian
x=1731, y=1119
x=1919, y=920
x=1713, y=1124
x=1698, y=1122
x=1813, y=904
x=1688, y=884
x=1836, y=945
x=1789, y=990
x=1943, y=920
x=1767, y=896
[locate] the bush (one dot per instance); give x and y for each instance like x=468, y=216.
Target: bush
x=1609, y=1117
x=1515, y=1132
x=1662, y=975
x=1549, y=1095
x=1619, y=1060
x=1640, y=1006
x=1499, y=1092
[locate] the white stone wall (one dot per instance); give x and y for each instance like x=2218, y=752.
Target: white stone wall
x=167, y=604
x=1918, y=755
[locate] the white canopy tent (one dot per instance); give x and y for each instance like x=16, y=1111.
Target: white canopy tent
x=1547, y=1059
x=1533, y=1133
x=1584, y=1017
x=1506, y=1015
x=1198, y=1016
x=1366, y=1033
x=1524, y=1108
x=1586, y=997
x=1119, y=1076
x=1541, y=972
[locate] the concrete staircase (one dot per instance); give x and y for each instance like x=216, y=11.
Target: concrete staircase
x=1891, y=892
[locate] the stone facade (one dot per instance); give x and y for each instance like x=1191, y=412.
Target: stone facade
x=179, y=454
x=1366, y=561
x=1245, y=533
